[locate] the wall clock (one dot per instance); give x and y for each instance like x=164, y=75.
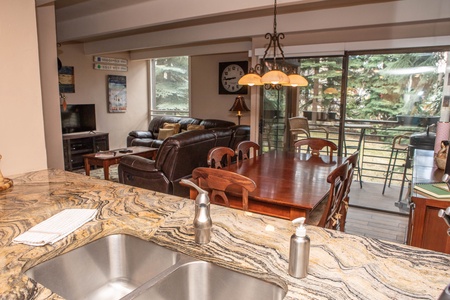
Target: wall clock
x=229, y=75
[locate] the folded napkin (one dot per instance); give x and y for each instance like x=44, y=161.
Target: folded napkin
x=56, y=227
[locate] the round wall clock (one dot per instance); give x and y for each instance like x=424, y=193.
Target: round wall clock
x=229, y=75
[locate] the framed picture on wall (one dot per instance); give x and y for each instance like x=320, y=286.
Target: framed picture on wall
x=117, y=94
x=66, y=80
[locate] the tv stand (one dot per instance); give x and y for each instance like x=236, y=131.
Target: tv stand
x=77, y=144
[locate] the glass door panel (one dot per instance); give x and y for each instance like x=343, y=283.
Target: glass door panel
x=320, y=101
x=393, y=94
x=273, y=119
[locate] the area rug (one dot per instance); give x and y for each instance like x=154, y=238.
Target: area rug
x=98, y=173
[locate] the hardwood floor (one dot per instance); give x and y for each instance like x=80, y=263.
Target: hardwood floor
x=375, y=215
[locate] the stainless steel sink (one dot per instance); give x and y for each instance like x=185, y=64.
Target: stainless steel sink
x=108, y=268
x=202, y=280
x=126, y=267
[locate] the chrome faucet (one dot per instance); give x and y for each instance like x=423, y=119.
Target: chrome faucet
x=202, y=217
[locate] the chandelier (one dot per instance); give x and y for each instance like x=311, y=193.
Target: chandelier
x=278, y=76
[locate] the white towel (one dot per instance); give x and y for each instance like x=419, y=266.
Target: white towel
x=56, y=227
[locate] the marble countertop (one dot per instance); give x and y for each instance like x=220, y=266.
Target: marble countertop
x=341, y=266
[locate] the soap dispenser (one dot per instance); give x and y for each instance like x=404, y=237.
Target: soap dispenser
x=299, y=250
x=202, y=217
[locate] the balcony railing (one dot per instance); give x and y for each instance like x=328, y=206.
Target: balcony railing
x=375, y=148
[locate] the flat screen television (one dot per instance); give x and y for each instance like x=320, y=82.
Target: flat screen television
x=78, y=118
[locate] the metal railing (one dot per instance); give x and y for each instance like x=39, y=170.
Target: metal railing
x=375, y=148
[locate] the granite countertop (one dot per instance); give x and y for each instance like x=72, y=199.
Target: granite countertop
x=341, y=266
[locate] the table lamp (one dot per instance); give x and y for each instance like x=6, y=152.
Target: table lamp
x=239, y=106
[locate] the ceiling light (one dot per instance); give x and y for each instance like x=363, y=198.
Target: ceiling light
x=276, y=77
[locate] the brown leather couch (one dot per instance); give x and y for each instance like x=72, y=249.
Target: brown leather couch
x=149, y=138
x=177, y=157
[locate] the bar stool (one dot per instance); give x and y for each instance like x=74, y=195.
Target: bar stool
x=397, y=146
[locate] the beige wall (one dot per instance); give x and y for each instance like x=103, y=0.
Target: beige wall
x=91, y=87
x=49, y=85
x=205, y=99
x=22, y=142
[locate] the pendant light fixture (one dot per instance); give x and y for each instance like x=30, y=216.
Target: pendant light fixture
x=276, y=77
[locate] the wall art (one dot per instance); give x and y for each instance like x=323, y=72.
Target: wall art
x=66, y=80
x=117, y=94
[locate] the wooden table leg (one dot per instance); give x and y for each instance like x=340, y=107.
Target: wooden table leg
x=106, y=169
x=87, y=167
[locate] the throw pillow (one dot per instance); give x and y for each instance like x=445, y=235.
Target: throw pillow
x=164, y=133
x=174, y=126
x=195, y=127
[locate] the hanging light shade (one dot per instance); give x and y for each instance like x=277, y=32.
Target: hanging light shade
x=297, y=80
x=331, y=91
x=250, y=79
x=275, y=77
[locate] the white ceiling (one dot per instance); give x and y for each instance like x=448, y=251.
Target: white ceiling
x=135, y=25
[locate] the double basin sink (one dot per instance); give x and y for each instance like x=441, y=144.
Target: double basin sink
x=125, y=267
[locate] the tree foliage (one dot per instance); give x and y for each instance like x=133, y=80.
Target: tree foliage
x=379, y=86
x=172, y=83
x=382, y=86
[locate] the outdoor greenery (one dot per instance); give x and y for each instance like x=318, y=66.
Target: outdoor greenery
x=382, y=86
x=379, y=86
x=171, y=84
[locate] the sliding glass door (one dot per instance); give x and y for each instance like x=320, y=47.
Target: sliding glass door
x=363, y=99
x=319, y=102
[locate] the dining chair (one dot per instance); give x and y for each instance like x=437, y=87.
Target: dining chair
x=247, y=149
x=331, y=215
x=317, y=144
x=219, y=157
x=217, y=181
x=352, y=165
x=300, y=125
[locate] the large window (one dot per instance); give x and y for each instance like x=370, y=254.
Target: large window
x=396, y=86
x=363, y=99
x=170, y=86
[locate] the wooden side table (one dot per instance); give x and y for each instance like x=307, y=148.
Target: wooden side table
x=113, y=157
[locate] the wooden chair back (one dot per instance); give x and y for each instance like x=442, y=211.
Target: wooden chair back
x=244, y=149
x=217, y=181
x=352, y=164
x=331, y=215
x=219, y=157
x=317, y=144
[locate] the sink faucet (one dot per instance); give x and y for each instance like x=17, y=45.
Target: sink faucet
x=202, y=217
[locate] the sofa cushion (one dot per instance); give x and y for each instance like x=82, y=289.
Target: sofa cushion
x=213, y=123
x=174, y=126
x=164, y=133
x=195, y=127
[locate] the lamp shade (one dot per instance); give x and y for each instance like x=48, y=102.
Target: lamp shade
x=250, y=79
x=275, y=77
x=297, y=80
x=239, y=104
x=331, y=91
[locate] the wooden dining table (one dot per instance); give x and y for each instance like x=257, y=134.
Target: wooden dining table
x=288, y=184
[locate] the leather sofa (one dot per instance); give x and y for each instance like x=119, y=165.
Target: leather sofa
x=177, y=157
x=149, y=138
